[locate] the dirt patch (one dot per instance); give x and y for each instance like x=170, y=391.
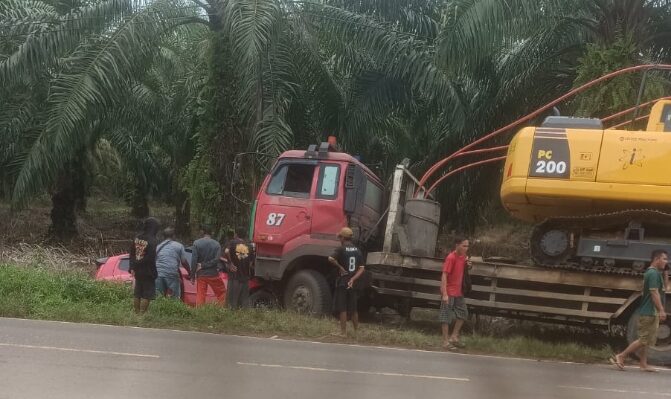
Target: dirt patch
x=504, y=240
x=507, y=240
x=105, y=229
x=50, y=257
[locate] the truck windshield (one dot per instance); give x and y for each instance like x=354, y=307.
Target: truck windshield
x=292, y=180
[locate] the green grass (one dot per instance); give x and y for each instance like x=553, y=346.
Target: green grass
x=38, y=293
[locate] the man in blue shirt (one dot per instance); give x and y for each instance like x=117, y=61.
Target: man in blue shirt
x=170, y=255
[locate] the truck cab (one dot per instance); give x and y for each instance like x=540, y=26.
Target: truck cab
x=302, y=204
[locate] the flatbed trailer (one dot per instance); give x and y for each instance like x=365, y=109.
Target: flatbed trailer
x=565, y=294
x=511, y=290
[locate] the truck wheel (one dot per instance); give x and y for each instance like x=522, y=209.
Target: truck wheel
x=262, y=299
x=660, y=354
x=308, y=292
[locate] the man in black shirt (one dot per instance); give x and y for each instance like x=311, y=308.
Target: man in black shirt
x=349, y=261
x=240, y=258
x=143, y=265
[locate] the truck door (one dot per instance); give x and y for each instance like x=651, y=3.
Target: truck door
x=328, y=202
x=285, y=211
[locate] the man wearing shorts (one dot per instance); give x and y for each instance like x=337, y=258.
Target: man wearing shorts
x=651, y=312
x=349, y=261
x=142, y=265
x=170, y=255
x=453, y=307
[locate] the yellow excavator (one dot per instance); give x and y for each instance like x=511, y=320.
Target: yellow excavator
x=600, y=198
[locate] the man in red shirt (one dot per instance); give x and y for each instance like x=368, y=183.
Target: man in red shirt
x=453, y=307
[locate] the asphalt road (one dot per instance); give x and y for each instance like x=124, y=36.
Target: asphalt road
x=61, y=360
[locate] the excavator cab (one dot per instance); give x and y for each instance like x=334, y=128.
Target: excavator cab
x=660, y=117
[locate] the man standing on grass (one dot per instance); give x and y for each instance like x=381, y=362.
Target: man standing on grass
x=240, y=259
x=170, y=255
x=453, y=306
x=142, y=265
x=205, y=267
x=651, y=312
x=349, y=261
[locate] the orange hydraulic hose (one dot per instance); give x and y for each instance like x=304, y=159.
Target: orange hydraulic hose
x=481, y=151
x=534, y=114
x=628, y=122
x=626, y=111
x=470, y=165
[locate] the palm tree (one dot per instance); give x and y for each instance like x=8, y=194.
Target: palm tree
x=77, y=54
x=392, y=78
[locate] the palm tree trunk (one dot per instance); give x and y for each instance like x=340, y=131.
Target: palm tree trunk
x=63, y=205
x=223, y=133
x=182, y=214
x=81, y=185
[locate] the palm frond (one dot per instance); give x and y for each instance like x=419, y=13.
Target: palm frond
x=88, y=84
x=250, y=25
x=57, y=37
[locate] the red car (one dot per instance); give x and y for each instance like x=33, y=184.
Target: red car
x=115, y=268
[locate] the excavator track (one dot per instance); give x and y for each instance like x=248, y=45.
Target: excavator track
x=619, y=219
x=614, y=219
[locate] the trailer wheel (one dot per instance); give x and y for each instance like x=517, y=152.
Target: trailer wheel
x=308, y=292
x=660, y=354
x=262, y=299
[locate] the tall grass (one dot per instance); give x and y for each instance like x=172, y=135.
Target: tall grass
x=39, y=293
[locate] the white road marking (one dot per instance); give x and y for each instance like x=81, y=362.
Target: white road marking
x=54, y=348
x=300, y=341
x=661, y=369
x=430, y=377
x=610, y=390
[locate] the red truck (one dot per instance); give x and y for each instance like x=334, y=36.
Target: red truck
x=303, y=203
x=308, y=196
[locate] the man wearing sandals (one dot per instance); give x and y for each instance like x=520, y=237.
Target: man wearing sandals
x=651, y=311
x=453, y=307
x=349, y=261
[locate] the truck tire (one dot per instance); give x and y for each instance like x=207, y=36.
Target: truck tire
x=308, y=292
x=262, y=299
x=659, y=354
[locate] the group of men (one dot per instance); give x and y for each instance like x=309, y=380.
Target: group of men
x=156, y=266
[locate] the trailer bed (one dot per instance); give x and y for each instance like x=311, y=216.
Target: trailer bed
x=510, y=290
